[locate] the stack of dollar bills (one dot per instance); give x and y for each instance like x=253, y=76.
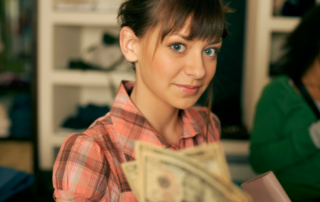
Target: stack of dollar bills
x=197, y=174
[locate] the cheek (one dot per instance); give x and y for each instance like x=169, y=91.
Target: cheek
x=165, y=66
x=210, y=67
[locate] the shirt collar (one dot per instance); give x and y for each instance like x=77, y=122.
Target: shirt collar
x=130, y=124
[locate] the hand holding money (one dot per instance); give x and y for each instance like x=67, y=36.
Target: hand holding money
x=197, y=174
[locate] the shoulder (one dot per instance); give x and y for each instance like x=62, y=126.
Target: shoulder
x=279, y=92
x=79, y=150
x=278, y=96
x=97, y=153
x=102, y=126
x=80, y=144
x=97, y=138
x=279, y=87
x=81, y=156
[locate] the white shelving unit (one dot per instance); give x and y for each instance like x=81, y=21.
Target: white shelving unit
x=84, y=19
x=260, y=26
x=61, y=37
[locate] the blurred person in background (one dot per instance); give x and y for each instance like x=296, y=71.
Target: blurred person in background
x=286, y=132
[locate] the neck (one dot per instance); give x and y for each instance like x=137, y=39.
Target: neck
x=312, y=75
x=160, y=115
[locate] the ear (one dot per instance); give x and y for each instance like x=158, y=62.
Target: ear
x=128, y=42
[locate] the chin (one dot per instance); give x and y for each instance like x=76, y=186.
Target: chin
x=184, y=104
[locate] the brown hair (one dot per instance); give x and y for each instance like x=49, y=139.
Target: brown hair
x=208, y=21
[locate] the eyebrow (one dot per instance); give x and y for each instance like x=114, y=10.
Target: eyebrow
x=188, y=39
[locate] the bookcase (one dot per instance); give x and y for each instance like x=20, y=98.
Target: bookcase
x=264, y=35
x=62, y=35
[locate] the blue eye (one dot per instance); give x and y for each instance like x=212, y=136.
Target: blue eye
x=178, y=47
x=210, y=52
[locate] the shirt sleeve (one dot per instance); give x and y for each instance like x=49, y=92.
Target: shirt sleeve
x=81, y=172
x=270, y=149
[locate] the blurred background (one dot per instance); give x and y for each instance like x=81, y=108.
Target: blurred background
x=60, y=67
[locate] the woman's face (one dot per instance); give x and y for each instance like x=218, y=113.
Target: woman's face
x=176, y=71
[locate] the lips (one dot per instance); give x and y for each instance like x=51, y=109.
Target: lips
x=189, y=89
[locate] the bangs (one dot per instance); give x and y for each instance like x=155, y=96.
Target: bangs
x=207, y=18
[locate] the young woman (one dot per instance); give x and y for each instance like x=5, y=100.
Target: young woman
x=173, y=46
x=286, y=133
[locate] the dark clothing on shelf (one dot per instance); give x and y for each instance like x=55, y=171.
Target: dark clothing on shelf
x=13, y=181
x=20, y=115
x=85, y=116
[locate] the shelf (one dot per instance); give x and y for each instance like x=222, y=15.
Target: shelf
x=236, y=147
x=58, y=137
x=85, y=19
x=89, y=78
x=63, y=36
x=284, y=24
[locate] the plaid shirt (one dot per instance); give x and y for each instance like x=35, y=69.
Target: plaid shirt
x=87, y=167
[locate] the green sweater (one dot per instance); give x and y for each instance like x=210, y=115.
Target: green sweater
x=280, y=140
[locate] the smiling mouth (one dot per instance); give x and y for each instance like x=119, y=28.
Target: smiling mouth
x=189, y=89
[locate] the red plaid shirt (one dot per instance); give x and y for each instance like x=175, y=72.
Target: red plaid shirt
x=87, y=167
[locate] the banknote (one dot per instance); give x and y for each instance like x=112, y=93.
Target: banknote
x=171, y=179
x=213, y=157
x=233, y=192
x=130, y=170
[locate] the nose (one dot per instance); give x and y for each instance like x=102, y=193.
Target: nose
x=195, y=66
